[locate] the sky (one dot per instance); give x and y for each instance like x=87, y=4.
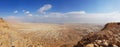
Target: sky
x=61, y=11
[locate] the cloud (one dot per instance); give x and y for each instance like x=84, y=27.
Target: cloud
x=15, y=11
x=71, y=17
x=27, y=13
x=77, y=12
x=30, y=15
x=23, y=10
x=44, y=8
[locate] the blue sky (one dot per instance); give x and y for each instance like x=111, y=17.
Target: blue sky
x=90, y=6
x=37, y=7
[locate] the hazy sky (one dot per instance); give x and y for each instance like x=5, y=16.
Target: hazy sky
x=61, y=11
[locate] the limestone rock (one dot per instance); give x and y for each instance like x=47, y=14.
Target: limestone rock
x=90, y=45
x=108, y=36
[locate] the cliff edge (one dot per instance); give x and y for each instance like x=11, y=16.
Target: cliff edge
x=109, y=36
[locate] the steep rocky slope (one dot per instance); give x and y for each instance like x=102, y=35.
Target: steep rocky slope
x=6, y=34
x=109, y=36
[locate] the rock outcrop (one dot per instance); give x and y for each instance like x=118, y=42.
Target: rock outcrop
x=3, y=24
x=109, y=36
x=5, y=39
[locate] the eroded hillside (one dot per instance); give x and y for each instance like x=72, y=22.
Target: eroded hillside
x=109, y=36
x=42, y=35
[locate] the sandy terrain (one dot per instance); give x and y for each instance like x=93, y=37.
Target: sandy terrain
x=42, y=35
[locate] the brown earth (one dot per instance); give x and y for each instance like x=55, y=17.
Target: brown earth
x=42, y=35
x=109, y=36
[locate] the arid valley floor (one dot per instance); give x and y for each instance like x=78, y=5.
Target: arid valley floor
x=14, y=34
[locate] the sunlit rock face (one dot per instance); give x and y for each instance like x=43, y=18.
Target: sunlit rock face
x=109, y=36
x=5, y=39
x=3, y=24
x=111, y=25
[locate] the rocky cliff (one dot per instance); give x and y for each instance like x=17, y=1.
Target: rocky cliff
x=109, y=36
x=5, y=39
